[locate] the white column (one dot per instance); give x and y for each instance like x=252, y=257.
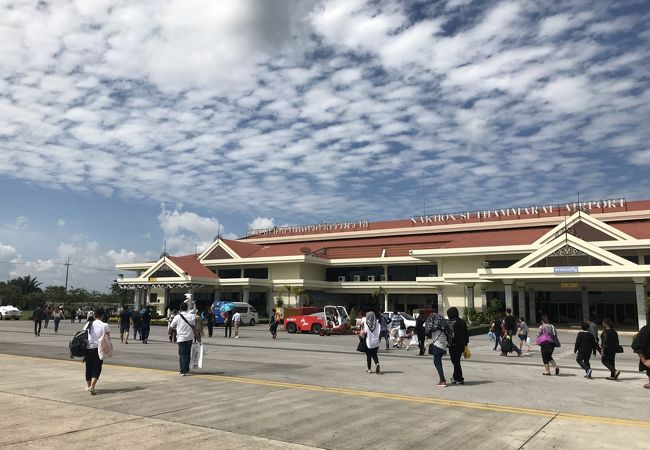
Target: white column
x=136, y=299
x=532, y=320
x=585, y=302
x=245, y=295
x=484, y=304
x=640, y=288
x=508, y=295
x=385, y=301
x=441, y=299
x=469, y=299
x=521, y=300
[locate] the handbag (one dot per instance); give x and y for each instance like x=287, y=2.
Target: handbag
x=362, y=347
x=556, y=341
x=467, y=353
x=544, y=338
x=431, y=349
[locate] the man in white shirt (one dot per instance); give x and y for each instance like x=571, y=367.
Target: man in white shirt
x=236, y=319
x=183, y=323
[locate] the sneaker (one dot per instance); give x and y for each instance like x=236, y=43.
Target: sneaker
x=236, y=337
x=557, y=371
x=377, y=369
x=442, y=384
x=588, y=373
x=454, y=381
x=92, y=391
x=618, y=372
x=369, y=370
x=546, y=373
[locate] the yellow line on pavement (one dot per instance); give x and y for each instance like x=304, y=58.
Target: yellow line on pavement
x=384, y=395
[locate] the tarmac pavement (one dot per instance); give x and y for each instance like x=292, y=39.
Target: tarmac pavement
x=305, y=390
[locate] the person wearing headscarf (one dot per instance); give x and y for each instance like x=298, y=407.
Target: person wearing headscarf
x=371, y=331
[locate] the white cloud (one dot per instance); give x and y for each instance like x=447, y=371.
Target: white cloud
x=261, y=223
x=187, y=232
x=60, y=222
x=21, y=223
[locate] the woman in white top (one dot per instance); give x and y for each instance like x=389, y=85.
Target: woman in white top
x=96, y=329
x=371, y=331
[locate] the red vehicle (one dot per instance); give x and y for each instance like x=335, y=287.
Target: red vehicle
x=331, y=318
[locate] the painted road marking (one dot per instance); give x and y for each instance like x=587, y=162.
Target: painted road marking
x=383, y=395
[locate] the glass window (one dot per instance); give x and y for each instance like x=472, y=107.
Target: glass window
x=256, y=272
x=229, y=273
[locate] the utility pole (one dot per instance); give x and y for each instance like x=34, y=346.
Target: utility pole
x=67, y=268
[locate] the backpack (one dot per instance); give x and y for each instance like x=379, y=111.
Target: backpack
x=78, y=344
x=435, y=322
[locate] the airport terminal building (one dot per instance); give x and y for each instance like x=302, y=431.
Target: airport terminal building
x=567, y=260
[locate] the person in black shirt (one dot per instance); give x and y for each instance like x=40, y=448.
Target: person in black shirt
x=585, y=347
x=209, y=317
x=457, y=344
x=125, y=322
x=38, y=320
x=145, y=317
x=510, y=324
x=609, y=347
x=228, y=323
x=420, y=332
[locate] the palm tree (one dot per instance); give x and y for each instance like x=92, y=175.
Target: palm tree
x=287, y=289
x=26, y=284
x=297, y=291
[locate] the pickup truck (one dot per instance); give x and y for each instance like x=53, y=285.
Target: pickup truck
x=332, y=318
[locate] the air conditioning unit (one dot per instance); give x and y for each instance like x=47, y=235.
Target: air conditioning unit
x=382, y=277
x=371, y=278
x=357, y=278
x=341, y=279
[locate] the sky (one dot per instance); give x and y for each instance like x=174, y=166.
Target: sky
x=127, y=125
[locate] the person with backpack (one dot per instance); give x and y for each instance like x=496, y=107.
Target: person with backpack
x=440, y=332
x=585, y=346
x=497, y=329
x=96, y=330
x=547, y=339
x=458, y=343
x=183, y=323
x=641, y=346
x=609, y=347
x=145, y=317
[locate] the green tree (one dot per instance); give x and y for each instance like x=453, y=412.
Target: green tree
x=287, y=289
x=298, y=292
x=121, y=296
x=79, y=296
x=54, y=295
x=10, y=294
x=26, y=284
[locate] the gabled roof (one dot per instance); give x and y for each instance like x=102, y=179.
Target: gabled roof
x=590, y=228
x=229, y=249
x=190, y=265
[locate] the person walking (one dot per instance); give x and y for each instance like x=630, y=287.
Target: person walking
x=125, y=321
x=371, y=331
x=593, y=328
x=183, y=323
x=609, y=345
x=198, y=328
x=136, y=323
x=80, y=315
x=419, y=331
x=72, y=314
x=273, y=324
x=96, y=329
x=510, y=324
x=228, y=324
x=209, y=318
x=547, y=344
x=47, y=314
x=236, y=320
x=522, y=334
x=57, y=315
x=145, y=327
x=435, y=326
x=37, y=317
x=383, y=329
x=458, y=343
x=171, y=331
x=641, y=346
x=585, y=346
x=497, y=329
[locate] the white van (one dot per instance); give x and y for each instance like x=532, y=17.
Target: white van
x=248, y=313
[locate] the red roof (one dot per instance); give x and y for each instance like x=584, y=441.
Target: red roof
x=192, y=266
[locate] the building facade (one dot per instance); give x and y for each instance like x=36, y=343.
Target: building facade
x=568, y=261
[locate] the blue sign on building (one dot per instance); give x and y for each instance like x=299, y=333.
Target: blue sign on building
x=565, y=269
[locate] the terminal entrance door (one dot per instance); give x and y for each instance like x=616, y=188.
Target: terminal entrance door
x=560, y=307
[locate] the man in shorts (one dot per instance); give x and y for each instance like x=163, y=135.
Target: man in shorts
x=125, y=320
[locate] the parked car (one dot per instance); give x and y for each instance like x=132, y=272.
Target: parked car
x=9, y=312
x=249, y=315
